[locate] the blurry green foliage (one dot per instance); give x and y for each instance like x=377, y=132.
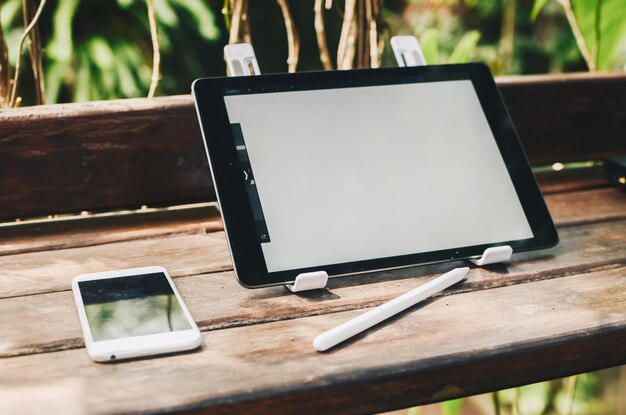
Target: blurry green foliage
x=452, y=407
x=101, y=49
x=462, y=52
x=602, y=24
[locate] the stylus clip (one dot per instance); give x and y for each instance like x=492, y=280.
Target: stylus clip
x=407, y=51
x=309, y=281
x=241, y=60
x=494, y=255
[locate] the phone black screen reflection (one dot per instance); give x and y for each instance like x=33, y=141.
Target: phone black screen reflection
x=131, y=306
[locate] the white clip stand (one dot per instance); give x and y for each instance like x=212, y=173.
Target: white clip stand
x=309, y=281
x=494, y=255
x=407, y=51
x=241, y=60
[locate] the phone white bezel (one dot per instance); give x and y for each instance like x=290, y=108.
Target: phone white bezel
x=136, y=346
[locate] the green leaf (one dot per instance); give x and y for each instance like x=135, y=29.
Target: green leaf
x=101, y=53
x=605, y=42
x=125, y=4
x=452, y=407
x=537, y=7
x=10, y=10
x=465, y=48
x=82, y=86
x=165, y=13
x=54, y=75
x=61, y=46
x=429, y=41
x=203, y=16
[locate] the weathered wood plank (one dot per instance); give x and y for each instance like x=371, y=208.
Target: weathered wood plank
x=569, y=117
x=52, y=269
x=127, y=153
x=217, y=301
x=566, y=208
x=449, y=347
x=575, y=208
x=49, y=271
x=101, y=155
x=572, y=180
x=86, y=231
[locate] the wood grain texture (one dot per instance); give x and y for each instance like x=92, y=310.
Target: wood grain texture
x=574, y=208
x=569, y=180
x=568, y=118
x=59, y=251
x=97, y=230
x=566, y=208
x=445, y=349
x=100, y=156
x=127, y=153
x=49, y=271
x=48, y=321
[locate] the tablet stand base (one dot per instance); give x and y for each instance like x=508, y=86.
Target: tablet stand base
x=494, y=255
x=309, y=281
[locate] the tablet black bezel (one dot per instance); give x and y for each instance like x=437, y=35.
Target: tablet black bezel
x=246, y=251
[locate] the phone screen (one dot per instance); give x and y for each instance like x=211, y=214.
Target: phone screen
x=131, y=306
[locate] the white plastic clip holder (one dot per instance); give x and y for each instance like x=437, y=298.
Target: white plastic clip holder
x=494, y=255
x=309, y=281
x=241, y=60
x=407, y=51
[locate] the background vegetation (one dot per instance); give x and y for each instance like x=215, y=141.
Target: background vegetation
x=102, y=49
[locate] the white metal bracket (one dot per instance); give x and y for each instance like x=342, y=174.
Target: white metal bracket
x=241, y=60
x=309, y=281
x=407, y=51
x=494, y=255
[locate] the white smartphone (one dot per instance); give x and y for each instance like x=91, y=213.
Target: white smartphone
x=132, y=313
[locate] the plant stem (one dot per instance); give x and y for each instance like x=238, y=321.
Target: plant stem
x=34, y=47
x=371, y=11
x=237, y=6
x=571, y=391
x=5, y=69
x=344, y=55
x=361, y=39
x=293, y=41
x=156, y=50
x=507, y=35
x=596, y=45
x=13, y=99
x=320, y=32
x=496, y=402
x=580, y=40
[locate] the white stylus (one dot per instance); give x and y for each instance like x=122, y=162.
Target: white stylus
x=363, y=322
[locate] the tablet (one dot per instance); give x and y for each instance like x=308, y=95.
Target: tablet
x=362, y=170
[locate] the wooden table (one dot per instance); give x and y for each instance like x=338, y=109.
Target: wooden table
x=545, y=314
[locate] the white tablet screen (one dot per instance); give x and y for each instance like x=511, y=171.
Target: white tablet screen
x=349, y=174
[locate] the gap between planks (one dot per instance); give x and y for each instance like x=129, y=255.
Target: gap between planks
x=51, y=271
x=567, y=208
x=275, y=304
